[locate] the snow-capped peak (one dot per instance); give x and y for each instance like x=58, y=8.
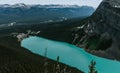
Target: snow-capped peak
x=5, y=5
x=58, y=6
x=20, y=5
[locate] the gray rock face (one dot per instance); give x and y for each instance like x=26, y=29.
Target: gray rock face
x=106, y=22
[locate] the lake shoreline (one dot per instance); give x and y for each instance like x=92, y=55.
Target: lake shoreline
x=77, y=54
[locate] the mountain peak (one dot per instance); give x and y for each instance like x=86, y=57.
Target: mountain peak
x=105, y=24
x=5, y=5
x=20, y=5
x=113, y=3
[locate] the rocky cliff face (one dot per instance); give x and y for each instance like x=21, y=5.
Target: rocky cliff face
x=105, y=23
x=106, y=19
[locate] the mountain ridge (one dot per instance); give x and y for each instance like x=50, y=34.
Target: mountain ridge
x=42, y=13
x=39, y=5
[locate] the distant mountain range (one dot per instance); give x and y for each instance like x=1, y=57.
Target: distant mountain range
x=23, y=13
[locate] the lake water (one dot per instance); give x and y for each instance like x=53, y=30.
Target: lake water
x=69, y=54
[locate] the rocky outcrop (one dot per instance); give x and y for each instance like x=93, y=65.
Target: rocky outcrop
x=105, y=23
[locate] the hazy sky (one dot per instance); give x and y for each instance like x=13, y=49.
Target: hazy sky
x=93, y=3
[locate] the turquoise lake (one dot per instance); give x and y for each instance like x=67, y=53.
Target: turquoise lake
x=69, y=54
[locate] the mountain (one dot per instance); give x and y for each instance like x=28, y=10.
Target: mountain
x=103, y=30
x=22, y=13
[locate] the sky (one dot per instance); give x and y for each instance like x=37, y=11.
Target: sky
x=93, y=3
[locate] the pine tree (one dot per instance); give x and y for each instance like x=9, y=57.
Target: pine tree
x=46, y=62
x=92, y=67
x=58, y=65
